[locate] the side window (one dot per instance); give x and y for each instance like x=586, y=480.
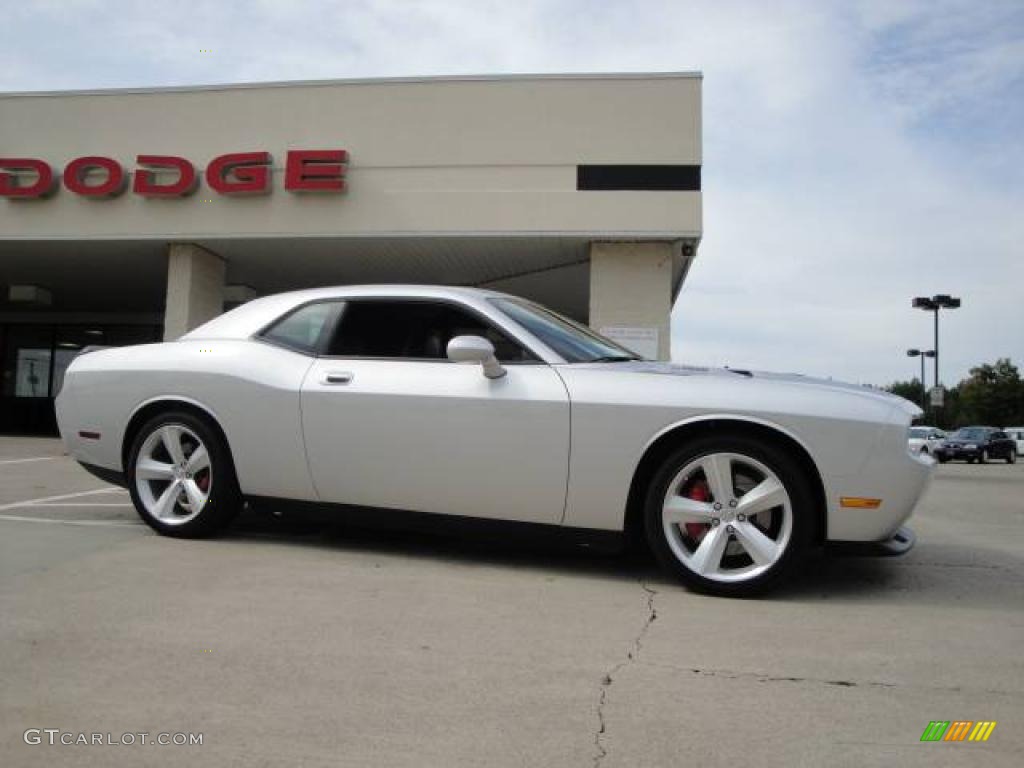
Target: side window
x=301, y=329
x=998, y=435
x=418, y=330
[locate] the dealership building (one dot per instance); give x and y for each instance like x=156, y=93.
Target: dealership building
x=133, y=215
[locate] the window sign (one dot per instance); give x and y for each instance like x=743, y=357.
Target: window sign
x=32, y=376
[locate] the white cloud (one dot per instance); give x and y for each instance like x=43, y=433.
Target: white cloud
x=856, y=154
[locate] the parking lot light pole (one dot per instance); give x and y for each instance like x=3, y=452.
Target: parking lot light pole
x=922, y=353
x=934, y=304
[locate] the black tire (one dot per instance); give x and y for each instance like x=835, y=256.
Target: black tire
x=1011, y=457
x=983, y=457
x=225, y=498
x=790, y=473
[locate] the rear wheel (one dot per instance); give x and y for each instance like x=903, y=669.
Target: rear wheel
x=729, y=515
x=1011, y=457
x=181, y=477
x=983, y=458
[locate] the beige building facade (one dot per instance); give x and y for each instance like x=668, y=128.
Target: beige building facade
x=131, y=215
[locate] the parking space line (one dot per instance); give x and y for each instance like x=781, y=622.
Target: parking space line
x=62, y=497
x=95, y=523
x=83, y=504
x=25, y=461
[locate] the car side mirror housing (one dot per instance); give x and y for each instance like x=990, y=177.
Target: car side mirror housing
x=476, y=349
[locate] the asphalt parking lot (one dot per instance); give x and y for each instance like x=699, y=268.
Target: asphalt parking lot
x=293, y=643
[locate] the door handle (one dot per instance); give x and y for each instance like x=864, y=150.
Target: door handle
x=337, y=377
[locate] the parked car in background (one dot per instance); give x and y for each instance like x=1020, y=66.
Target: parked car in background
x=925, y=440
x=981, y=444
x=1017, y=435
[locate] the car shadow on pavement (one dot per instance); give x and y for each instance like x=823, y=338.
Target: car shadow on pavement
x=528, y=551
x=933, y=572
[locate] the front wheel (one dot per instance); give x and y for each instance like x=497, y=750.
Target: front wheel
x=1011, y=457
x=983, y=458
x=729, y=515
x=181, y=477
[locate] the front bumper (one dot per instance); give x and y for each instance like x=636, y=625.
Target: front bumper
x=898, y=478
x=951, y=454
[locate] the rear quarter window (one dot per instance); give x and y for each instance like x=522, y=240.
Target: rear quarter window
x=303, y=329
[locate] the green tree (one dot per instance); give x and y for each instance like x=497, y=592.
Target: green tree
x=911, y=390
x=950, y=415
x=992, y=395
x=946, y=417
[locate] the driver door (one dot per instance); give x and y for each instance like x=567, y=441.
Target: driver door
x=390, y=422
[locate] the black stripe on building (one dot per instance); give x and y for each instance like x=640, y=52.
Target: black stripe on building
x=685, y=178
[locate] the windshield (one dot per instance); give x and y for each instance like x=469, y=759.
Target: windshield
x=574, y=342
x=970, y=433
x=918, y=432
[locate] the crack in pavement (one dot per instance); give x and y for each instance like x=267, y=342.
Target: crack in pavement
x=974, y=566
x=609, y=677
x=760, y=677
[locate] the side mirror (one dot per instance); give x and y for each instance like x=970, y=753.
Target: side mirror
x=476, y=349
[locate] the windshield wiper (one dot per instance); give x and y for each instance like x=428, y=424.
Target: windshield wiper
x=614, y=359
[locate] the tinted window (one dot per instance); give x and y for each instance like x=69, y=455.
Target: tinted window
x=418, y=330
x=999, y=435
x=970, y=433
x=301, y=330
x=575, y=343
x=918, y=432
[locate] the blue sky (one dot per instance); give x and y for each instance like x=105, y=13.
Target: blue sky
x=856, y=153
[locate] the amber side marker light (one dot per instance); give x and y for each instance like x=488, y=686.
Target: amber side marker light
x=859, y=502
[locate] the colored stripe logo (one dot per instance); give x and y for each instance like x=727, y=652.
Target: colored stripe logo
x=958, y=730
x=982, y=731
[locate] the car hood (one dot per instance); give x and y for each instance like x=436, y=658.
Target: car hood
x=794, y=379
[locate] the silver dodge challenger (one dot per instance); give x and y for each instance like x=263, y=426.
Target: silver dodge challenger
x=410, y=403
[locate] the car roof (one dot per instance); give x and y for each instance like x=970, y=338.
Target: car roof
x=242, y=322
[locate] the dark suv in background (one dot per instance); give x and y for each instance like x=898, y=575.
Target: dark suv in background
x=981, y=444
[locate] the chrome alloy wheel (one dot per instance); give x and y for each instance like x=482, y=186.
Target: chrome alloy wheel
x=727, y=517
x=173, y=474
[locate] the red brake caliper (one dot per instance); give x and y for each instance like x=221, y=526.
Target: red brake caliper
x=699, y=491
